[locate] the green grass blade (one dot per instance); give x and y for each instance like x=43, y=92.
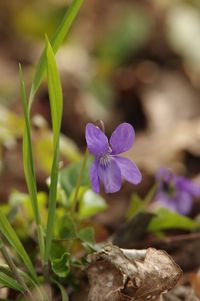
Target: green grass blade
x=28, y=163
x=28, y=154
x=64, y=295
x=56, y=41
x=10, y=282
x=27, y=278
x=56, y=104
x=11, y=236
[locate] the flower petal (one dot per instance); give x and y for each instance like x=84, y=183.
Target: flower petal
x=94, y=179
x=129, y=170
x=97, y=142
x=122, y=138
x=165, y=174
x=166, y=201
x=184, y=202
x=189, y=186
x=110, y=176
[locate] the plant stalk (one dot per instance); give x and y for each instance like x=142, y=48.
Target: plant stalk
x=78, y=183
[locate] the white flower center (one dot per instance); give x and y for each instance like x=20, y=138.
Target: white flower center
x=104, y=160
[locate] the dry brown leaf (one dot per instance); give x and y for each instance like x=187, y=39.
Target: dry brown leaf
x=138, y=275
x=166, y=148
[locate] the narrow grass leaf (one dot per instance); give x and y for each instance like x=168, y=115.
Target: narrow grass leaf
x=4, y=268
x=28, y=163
x=56, y=41
x=10, y=282
x=28, y=154
x=64, y=295
x=11, y=236
x=56, y=104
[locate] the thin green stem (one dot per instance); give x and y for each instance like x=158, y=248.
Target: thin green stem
x=40, y=241
x=78, y=183
x=13, y=267
x=150, y=195
x=47, y=281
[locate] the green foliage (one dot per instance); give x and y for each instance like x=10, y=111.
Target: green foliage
x=43, y=149
x=57, y=252
x=28, y=154
x=61, y=266
x=55, y=42
x=86, y=235
x=64, y=295
x=56, y=104
x=68, y=177
x=14, y=241
x=67, y=228
x=90, y=204
x=138, y=205
x=28, y=163
x=166, y=219
x=20, y=214
x=8, y=281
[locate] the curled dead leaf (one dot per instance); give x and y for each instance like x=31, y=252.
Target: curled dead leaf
x=137, y=275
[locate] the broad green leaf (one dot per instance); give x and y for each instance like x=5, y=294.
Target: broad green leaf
x=90, y=204
x=56, y=41
x=68, y=176
x=136, y=205
x=166, y=219
x=67, y=228
x=13, y=239
x=44, y=150
x=42, y=201
x=10, y=282
x=56, y=104
x=87, y=235
x=21, y=214
x=61, y=266
x=28, y=163
x=57, y=250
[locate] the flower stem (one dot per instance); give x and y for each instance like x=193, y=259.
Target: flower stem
x=40, y=241
x=47, y=281
x=78, y=183
x=13, y=268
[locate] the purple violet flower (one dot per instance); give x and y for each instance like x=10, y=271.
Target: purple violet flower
x=175, y=192
x=109, y=168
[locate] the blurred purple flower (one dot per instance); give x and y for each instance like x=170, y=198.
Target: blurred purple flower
x=175, y=192
x=109, y=168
